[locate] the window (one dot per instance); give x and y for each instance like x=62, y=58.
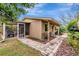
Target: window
x=46, y=27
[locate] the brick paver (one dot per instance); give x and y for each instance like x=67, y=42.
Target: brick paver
x=49, y=48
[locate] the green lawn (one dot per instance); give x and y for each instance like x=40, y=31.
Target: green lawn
x=14, y=47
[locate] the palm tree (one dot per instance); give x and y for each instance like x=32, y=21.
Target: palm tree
x=71, y=25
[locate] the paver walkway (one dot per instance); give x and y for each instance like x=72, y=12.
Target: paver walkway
x=47, y=49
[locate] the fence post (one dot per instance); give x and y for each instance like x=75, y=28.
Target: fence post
x=17, y=30
x=4, y=31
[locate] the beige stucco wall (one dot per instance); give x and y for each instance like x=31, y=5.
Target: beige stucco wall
x=36, y=29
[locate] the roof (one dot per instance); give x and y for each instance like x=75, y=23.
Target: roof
x=43, y=19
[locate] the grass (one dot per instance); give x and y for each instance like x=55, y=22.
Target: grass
x=13, y=47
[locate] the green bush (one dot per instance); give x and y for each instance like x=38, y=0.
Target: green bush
x=73, y=40
x=62, y=29
x=75, y=44
x=73, y=35
x=76, y=35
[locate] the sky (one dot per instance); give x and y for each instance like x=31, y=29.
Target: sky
x=52, y=10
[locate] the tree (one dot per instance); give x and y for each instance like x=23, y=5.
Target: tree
x=74, y=22
x=67, y=17
x=11, y=11
x=71, y=24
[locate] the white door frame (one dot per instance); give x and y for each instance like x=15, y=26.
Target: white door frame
x=18, y=34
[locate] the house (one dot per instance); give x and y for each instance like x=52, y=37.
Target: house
x=38, y=28
x=41, y=28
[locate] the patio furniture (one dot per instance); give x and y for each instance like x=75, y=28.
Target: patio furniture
x=9, y=32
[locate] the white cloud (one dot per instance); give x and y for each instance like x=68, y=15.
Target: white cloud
x=55, y=13
x=36, y=10
x=40, y=5
x=69, y=4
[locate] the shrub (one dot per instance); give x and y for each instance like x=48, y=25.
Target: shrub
x=73, y=40
x=62, y=29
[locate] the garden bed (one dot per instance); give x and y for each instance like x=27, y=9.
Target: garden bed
x=65, y=50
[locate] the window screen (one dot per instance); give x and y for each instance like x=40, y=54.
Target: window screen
x=46, y=27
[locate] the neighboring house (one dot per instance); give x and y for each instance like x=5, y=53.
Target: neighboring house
x=38, y=28
x=41, y=28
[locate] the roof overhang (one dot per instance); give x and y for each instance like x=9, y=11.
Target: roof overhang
x=51, y=20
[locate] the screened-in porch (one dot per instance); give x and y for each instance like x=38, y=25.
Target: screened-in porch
x=50, y=30
x=10, y=30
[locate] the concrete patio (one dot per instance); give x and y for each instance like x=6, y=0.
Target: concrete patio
x=48, y=49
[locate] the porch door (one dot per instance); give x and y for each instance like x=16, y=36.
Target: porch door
x=27, y=28
x=21, y=30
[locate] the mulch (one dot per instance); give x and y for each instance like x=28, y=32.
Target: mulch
x=65, y=50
